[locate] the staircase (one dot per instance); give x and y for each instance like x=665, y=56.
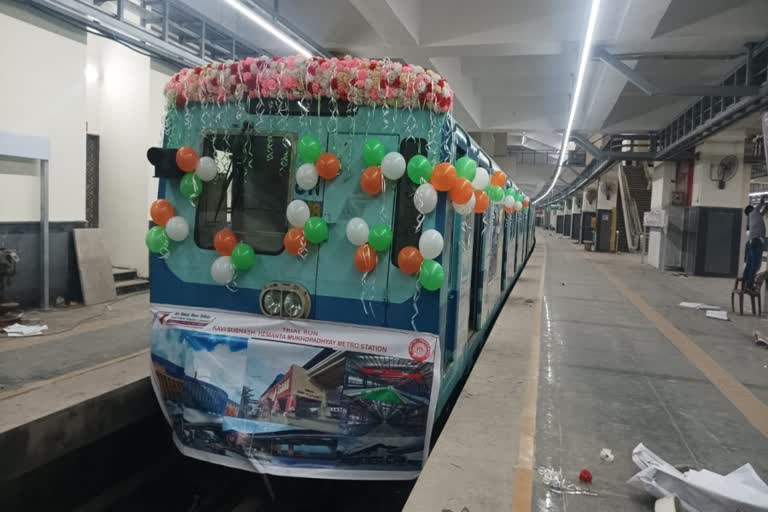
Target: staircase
x=633, y=201
x=127, y=281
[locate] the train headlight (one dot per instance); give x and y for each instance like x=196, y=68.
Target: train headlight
x=271, y=303
x=285, y=300
x=292, y=306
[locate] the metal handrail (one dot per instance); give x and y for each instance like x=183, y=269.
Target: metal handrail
x=632, y=222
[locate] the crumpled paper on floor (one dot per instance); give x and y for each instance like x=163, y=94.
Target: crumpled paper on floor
x=700, y=491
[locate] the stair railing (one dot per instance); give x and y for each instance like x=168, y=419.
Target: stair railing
x=633, y=226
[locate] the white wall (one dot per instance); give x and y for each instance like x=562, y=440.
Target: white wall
x=42, y=93
x=125, y=108
x=585, y=206
x=705, y=191
x=661, y=195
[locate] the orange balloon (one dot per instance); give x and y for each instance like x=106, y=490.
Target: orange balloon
x=481, y=201
x=462, y=191
x=409, y=260
x=186, y=158
x=327, y=166
x=161, y=211
x=499, y=179
x=526, y=202
x=371, y=179
x=294, y=241
x=365, y=258
x=225, y=242
x=509, y=210
x=443, y=177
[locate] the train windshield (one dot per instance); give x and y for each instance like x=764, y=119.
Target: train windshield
x=250, y=192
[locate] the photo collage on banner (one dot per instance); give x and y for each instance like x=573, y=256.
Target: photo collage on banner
x=283, y=397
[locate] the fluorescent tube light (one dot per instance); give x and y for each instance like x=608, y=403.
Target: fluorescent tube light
x=586, y=52
x=269, y=27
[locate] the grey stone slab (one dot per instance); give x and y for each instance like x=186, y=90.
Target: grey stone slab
x=96, y=279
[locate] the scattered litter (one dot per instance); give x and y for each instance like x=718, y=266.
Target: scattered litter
x=559, y=485
x=25, y=330
x=585, y=476
x=717, y=314
x=697, y=305
x=699, y=490
x=760, y=340
x=607, y=455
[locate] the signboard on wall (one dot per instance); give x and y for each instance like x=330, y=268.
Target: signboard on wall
x=296, y=398
x=655, y=218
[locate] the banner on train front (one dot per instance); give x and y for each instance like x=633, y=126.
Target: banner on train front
x=296, y=397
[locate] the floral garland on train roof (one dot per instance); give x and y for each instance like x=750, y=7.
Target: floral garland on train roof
x=360, y=81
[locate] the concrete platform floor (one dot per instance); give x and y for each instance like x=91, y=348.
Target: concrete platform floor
x=86, y=377
x=615, y=362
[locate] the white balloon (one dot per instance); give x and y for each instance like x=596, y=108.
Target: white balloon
x=482, y=179
x=431, y=244
x=393, y=166
x=508, y=202
x=425, y=198
x=223, y=270
x=177, y=228
x=357, y=231
x=206, y=168
x=306, y=176
x=518, y=206
x=466, y=208
x=297, y=213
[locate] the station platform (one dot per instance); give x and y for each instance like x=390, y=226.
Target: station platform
x=593, y=351
x=84, y=378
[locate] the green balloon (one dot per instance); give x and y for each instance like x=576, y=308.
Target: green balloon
x=431, y=275
x=191, y=185
x=243, y=257
x=510, y=192
x=419, y=169
x=466, y=168
x=316, y=230
x=380, y=237
x=519, y=196
x=309, y=148
x=157, y=240
x=373, y=152
x=495, y=193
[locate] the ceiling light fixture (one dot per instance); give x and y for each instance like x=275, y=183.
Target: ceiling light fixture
x=269, y=27
x=586, y=52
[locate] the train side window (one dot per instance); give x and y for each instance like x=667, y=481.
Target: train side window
x=406, y=214
x=250, y=192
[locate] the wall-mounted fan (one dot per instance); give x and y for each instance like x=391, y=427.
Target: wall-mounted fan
x=591, y=195
x=609, y=188
x=724, y=170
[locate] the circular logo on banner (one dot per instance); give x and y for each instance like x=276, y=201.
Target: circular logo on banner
x=419, y=350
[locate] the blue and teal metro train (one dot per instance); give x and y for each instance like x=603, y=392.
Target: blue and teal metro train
x=483, y=257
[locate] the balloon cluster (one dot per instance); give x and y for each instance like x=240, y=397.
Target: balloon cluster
x=304, y=228
x=380, y=165
x=464, y=183
x=316, y=163
x=170, y=227
x=412, y=260
x=369, y=241
x=233, y=257
x=196, y=171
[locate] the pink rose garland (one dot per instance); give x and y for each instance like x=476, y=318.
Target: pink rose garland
x=357, y=80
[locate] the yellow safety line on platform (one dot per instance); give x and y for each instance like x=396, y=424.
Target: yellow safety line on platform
x=755, y=411
x=41, y=383
x=522, y=496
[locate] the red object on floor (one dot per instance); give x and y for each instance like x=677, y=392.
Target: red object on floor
x=585, y=476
